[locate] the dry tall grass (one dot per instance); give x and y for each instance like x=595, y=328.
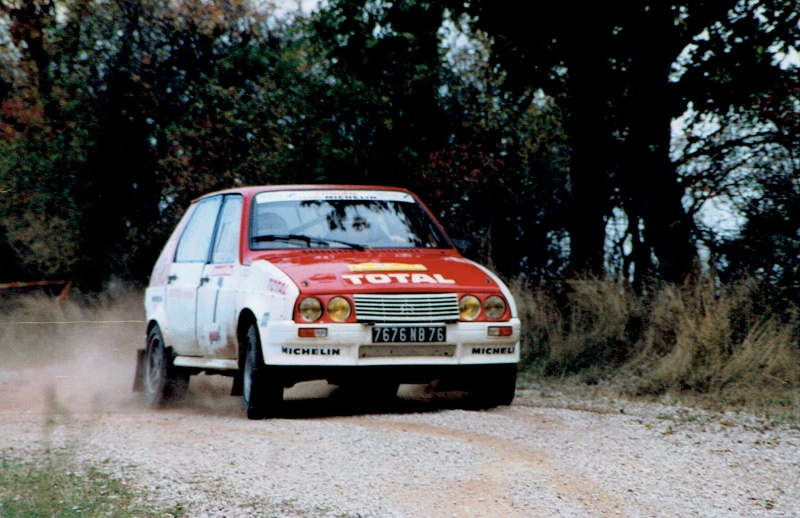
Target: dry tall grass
x=587, y=326
x=718, y=346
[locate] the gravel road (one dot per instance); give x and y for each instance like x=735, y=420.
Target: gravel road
x=545, y=455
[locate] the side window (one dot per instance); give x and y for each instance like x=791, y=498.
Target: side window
x=226, y=247
x=195, y=241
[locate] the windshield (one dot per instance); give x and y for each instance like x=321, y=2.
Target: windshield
x=341, y=219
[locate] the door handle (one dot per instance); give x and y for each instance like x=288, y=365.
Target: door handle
x=171, y=278
x=204, y=280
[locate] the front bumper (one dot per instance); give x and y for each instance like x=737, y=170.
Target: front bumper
x=351, y=345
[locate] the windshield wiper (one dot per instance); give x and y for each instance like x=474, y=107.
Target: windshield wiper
x=358, y=247
x=308, y=240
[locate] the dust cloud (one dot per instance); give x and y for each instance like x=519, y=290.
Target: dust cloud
x=80, y=352
x=81, y=355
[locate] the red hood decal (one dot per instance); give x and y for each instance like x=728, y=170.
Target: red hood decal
x=346, y=271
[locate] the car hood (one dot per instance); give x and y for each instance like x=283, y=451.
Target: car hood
x=330, y=271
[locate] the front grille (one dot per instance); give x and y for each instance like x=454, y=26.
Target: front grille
x=425, y=307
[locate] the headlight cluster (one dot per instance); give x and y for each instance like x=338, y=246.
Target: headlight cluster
x=469, y=307
x=311, y=309
x=339, y=309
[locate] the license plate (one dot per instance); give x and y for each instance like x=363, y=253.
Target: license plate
x=409, y=334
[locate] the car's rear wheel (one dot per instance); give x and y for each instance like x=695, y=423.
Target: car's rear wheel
x=496, y=387
x=163, y=382
x=262, y=393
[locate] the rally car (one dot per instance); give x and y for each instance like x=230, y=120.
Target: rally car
x=356, y=285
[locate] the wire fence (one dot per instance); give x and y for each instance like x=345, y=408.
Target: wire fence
x=52, y=322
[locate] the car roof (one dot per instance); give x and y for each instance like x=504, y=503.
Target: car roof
x=249, y=191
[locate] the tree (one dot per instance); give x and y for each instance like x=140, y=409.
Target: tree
x=500, y=184
x=44, y=142
x=118, y=113
x=405, y=110
x=612, y=70
x=383, y=101
x=741, y=147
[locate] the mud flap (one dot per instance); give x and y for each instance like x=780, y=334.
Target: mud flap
x=237, y=387
x=138, y=378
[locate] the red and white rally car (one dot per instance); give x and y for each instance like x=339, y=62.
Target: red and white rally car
x=356, y=285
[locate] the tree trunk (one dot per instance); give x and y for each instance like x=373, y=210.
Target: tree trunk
x=588, y=126
x=649, y=185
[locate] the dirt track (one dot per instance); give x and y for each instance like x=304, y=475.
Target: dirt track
x=545, y=455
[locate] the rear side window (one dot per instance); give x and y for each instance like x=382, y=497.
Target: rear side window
x=195, y=242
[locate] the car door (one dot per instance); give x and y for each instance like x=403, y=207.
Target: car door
x=191, y=257
x=216, y=296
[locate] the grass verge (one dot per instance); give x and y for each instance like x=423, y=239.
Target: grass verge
x=44, y=486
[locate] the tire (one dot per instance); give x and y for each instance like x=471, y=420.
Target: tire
x=163, y=383
x=495, y=388
x=262, y=394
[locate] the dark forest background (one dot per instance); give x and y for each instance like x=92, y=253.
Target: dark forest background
x=546, y=140
x=644, y=145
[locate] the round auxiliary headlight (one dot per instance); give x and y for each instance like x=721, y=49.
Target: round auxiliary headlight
x=469, y=307
x=338, y=309
x=495, y=307
x=310, y=309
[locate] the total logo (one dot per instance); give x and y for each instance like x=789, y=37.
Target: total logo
x=399, y=278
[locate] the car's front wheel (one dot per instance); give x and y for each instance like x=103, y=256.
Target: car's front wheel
x=163, y=382
x=262, y=393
